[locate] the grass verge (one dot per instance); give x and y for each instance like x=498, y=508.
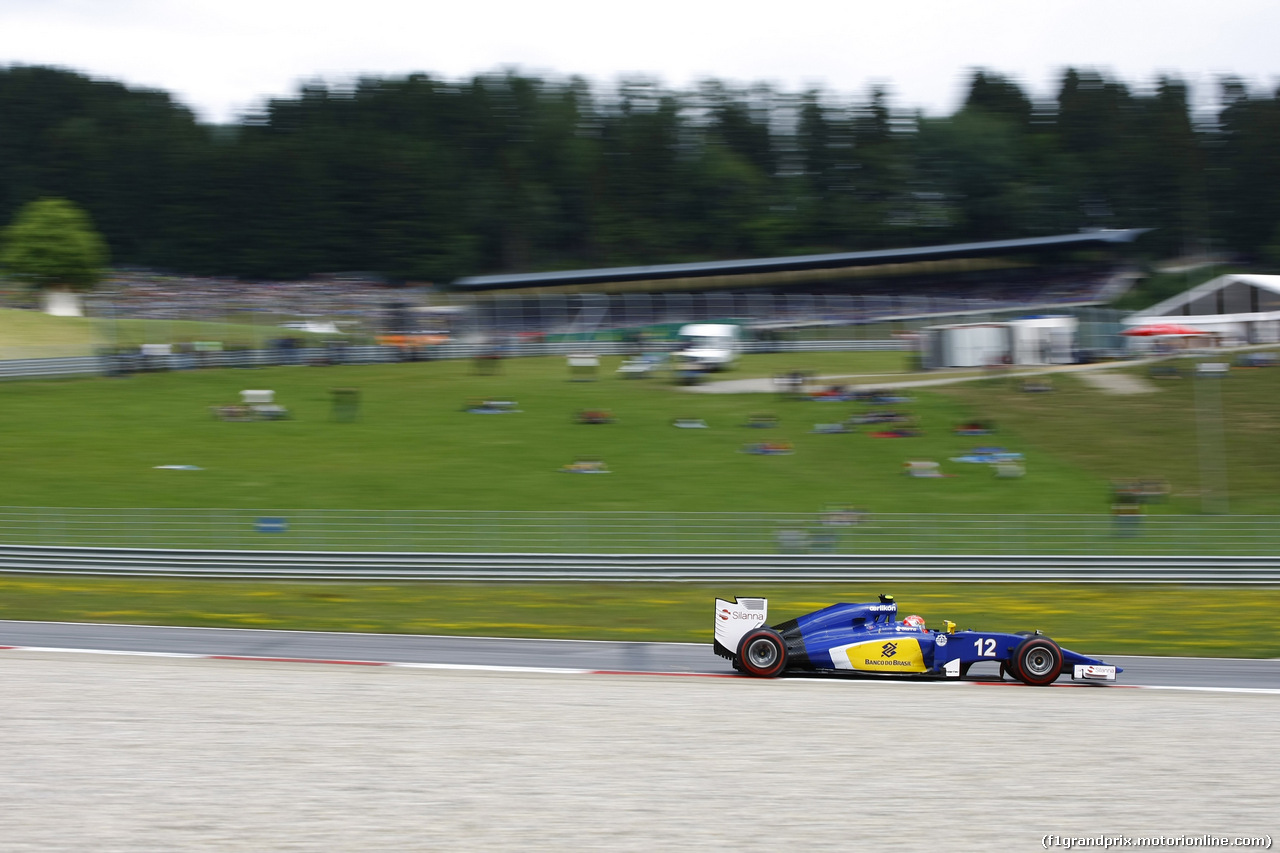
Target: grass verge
x=1092, y=618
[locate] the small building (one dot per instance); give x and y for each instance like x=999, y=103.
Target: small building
x=965, y=345
x=1029, y=340
x=1044, y=340
x=1236, y=308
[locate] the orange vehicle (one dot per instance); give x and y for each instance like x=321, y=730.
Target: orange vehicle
x=413, y=339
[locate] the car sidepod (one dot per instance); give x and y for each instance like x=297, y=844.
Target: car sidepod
x=832, y=638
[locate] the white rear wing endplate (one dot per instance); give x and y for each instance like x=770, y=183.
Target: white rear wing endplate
x=735, y=618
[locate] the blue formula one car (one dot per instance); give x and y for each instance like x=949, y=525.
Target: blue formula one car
x=868, y=638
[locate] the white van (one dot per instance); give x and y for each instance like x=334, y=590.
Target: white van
x=711, y=346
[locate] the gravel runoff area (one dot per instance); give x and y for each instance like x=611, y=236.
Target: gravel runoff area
x=114, y=753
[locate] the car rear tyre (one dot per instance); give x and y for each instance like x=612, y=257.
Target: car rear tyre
x=762, y=653
x=1036, y=661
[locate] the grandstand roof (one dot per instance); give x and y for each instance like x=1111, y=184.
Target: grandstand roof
x=1266, y=282
x=833, y=261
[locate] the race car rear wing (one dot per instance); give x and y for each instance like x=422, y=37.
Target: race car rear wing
x=735, y=618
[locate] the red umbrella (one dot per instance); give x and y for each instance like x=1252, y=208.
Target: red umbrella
x=1162, y=329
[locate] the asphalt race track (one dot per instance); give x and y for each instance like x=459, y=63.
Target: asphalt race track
x=579, y=655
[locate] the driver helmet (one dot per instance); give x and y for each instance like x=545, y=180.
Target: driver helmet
x=913, y=621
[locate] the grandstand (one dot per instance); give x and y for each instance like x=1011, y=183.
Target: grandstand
x=1042, y=273
x=916, y=286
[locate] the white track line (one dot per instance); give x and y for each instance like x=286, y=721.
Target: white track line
x=100, y=652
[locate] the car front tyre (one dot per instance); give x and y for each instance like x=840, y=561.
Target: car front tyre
x=1036, y=661
x=762, y=653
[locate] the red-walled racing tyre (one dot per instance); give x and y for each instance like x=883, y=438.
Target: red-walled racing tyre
x=1036, y=661
x=762, y=653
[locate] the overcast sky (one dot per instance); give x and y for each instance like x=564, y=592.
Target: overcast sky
x=223, y=58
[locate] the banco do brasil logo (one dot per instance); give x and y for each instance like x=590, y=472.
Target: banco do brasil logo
x=888, y=650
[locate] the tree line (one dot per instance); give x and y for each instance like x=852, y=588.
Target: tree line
x=424, y=179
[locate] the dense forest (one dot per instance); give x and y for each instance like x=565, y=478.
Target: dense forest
x=422, y=179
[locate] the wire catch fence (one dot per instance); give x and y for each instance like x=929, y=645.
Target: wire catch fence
x=441, y=531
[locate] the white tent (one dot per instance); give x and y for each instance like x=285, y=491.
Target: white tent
x=1239, y=308
x=1028, y=340
x=61, y=302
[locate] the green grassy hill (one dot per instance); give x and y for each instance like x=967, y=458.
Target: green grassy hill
x=96, y=442
x=1152, y=435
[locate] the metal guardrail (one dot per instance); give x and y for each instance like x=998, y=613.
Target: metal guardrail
x=332, y=566
x=38, y=368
